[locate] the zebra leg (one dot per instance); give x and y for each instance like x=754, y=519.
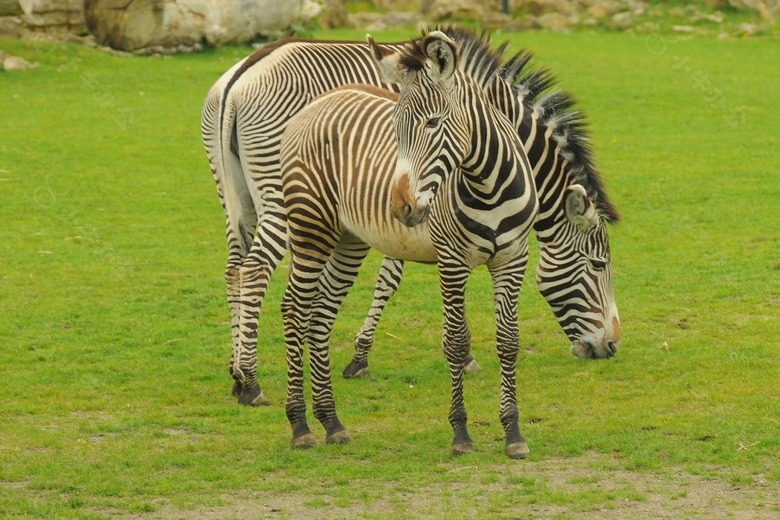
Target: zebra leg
x=295, y=312
x=310, y=248
x=390, y=274
x=387, y=282
x=456, y=339
x=268, y=249
x=233, y=282
x=335, y=282
x=507, y=280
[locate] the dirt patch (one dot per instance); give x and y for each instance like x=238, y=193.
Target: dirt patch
x=621, y=494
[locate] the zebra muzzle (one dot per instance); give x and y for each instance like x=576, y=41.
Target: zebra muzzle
x=409, y=214
x=405, y=207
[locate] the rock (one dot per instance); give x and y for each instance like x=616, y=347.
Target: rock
x=556, y=22
x=362, y=20
x=597, y=10
x=495, y=20
x=646, y=27
x=136, y=24
x=537, y=7
x=380, y=22
x=390, y=20
x=10, y=8
x=602, y=9
x=747, y=29
x=622, y=20
x=12, y=63
x=334, y=15
x=50, y=17
x=441, y=10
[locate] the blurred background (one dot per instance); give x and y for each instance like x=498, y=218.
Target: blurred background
x=166, y=26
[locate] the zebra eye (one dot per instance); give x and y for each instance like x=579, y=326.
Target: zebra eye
x=598, y=265
x=432, y=122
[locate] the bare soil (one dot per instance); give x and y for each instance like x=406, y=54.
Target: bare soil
x=675, y=495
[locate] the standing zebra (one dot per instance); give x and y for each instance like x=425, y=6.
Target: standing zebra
x=453, y=148
x=246, y=112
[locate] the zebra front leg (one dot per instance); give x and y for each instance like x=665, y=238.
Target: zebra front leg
x=387, y=283
x=456, y=340
x=507, y=280
x=267, y=251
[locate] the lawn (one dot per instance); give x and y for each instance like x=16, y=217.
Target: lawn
x=115, y=330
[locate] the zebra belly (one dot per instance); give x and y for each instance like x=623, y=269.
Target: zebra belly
x=395, y=240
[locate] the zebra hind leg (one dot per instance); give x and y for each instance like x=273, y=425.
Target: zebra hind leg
x=245, y=389
x=295, y=324
x=390, y=274
x=387, y=282
x=334, y=284
x=254, y=280
x=268, y=248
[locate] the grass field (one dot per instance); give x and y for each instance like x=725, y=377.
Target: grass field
x=115, y=331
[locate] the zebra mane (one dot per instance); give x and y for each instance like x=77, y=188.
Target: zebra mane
x=537, y=90
x=558, y=110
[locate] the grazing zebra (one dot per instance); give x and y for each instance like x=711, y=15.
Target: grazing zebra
x=452, y=147
x=244, y=115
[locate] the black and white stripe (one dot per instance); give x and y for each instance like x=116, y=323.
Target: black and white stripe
x=463, y=175
x=247, y=110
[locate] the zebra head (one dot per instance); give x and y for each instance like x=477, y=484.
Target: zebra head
x=575, y=277
x=427, y=118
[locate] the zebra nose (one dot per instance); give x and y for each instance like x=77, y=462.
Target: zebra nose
x=407, y=212
x=612, y=347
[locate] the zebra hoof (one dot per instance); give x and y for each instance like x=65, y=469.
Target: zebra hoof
x=340, y=437
x=253, y=397
x=462, y=448
x=517, y=450
x=304, y=442
x=356, y=370
x=470, y=366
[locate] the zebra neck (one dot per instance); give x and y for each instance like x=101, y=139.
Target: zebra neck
x=496, y=157
x=551, y=217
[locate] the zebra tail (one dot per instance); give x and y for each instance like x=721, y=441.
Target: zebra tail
x=239, y=205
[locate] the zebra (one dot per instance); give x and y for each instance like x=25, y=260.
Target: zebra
x=462, y=190
x=244, y=115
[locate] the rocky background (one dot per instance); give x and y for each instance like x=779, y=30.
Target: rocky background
x=721, y=17
x=179, y=25
x=133, y=25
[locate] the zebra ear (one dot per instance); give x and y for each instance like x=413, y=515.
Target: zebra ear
x=579, y=208
x=385, y=60
x=442, y=57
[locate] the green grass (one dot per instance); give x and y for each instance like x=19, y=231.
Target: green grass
x=115, y=334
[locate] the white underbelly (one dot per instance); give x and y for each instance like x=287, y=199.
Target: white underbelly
x=396, y=241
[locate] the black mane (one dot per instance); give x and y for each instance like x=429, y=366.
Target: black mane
x=538, y=89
